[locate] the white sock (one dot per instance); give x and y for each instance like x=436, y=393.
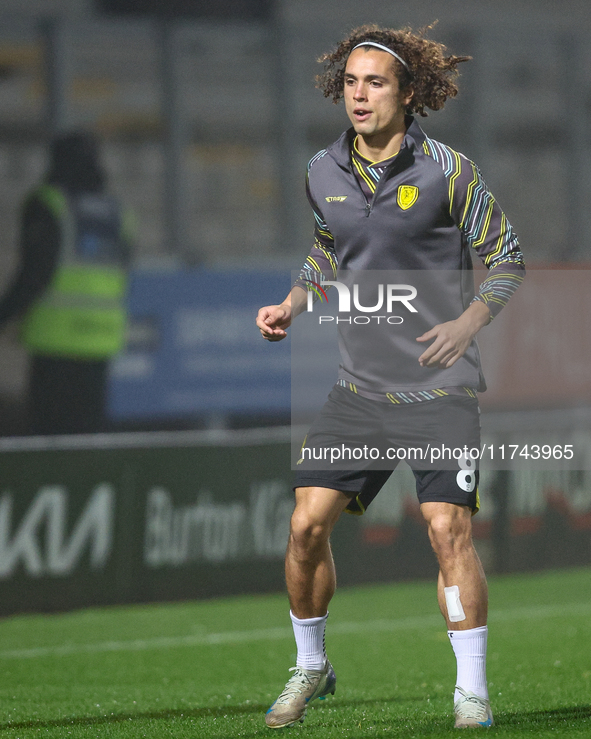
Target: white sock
x=470, y=649
x=309, y=636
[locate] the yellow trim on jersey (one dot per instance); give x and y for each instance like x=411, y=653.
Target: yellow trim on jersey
x=500, y=242
x=508, y=275
x=301, y=459
x=509, y=259
x=486, y=225
x=328, y=234
x=392, y=399
x=328, y=254
x=359, y=512
x=469, y=191
x=475, y=511
x=314, y=263
x=370, y=183
x=453, y=178
x=367, y=159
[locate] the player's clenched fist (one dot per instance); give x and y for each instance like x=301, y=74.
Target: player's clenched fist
x=273, y=320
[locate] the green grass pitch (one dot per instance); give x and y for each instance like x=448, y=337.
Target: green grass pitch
x=204, y=670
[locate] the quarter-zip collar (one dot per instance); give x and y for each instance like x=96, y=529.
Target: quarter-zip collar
x=414, y=137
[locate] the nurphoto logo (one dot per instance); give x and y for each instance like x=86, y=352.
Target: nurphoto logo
x=387, y=297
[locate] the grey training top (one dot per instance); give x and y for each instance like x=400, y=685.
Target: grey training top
x=429, y=209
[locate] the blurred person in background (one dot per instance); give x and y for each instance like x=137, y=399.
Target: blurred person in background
x=69, y=288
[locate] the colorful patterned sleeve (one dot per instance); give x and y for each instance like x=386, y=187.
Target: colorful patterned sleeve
x=484, y=226
x=322, y=260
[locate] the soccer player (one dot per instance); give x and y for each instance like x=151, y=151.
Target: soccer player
x=387, y=197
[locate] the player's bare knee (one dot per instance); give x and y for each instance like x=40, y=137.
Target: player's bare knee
x=306, y=532
x=448, y=534
x=314, y=517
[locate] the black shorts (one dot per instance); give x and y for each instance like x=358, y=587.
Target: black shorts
x=390, y=434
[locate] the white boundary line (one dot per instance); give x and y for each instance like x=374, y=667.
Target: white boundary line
x=409, y=623
x=148, y=439
x=492, y=422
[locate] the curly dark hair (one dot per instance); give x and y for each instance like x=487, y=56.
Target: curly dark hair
x=431, y=74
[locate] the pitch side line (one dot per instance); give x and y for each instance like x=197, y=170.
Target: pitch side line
x=232, y=637
x=149, y=439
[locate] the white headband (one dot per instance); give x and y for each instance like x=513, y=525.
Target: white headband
x=383, y=48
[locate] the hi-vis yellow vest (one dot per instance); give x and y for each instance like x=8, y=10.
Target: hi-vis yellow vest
x=82, y=314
